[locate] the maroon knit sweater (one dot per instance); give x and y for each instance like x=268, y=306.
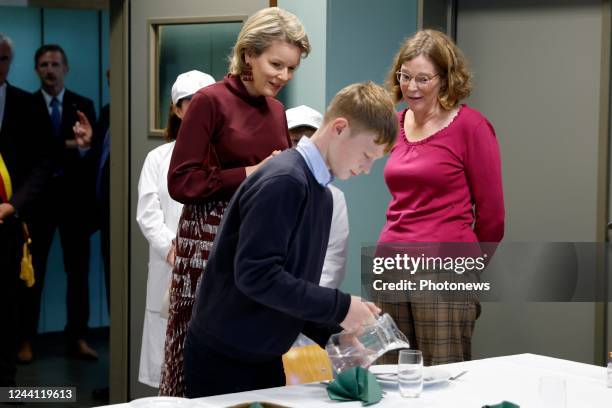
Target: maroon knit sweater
x=224, y=131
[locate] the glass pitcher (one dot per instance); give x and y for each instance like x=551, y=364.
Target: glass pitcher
x=348, y=349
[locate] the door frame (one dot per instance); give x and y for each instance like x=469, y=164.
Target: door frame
x=119, y=202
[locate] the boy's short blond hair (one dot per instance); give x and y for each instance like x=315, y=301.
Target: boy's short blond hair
x=367, y=107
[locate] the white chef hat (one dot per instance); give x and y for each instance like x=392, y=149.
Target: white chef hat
x=188, y=83
x=303, y=116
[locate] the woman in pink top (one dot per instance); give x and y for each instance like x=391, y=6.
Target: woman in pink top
x=444, y=175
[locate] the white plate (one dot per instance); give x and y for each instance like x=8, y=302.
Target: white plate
x=387, y=374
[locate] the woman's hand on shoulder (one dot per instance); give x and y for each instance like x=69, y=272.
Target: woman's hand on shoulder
x=252, y=169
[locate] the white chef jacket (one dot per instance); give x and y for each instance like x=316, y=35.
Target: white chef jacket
x=157, y=215
x=334, y=266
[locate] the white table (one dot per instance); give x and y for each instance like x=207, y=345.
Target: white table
x=488, y=381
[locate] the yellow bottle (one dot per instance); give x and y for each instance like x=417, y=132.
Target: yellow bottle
x=306, y=364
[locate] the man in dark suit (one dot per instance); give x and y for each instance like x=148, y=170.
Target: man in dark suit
x=24, y=169
x=69, y=200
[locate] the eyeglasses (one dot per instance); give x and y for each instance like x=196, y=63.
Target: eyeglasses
x=420, y=80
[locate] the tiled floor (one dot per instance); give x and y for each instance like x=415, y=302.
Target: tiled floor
x=52, y=367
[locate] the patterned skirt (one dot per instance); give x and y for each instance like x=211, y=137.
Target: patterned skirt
x=196, y=232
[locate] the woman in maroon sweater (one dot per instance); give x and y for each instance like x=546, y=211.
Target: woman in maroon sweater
x=444, y=175
x=231, y=128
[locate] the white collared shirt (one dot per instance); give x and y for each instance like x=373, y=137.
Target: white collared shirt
x=60, y=98
x=311, y=154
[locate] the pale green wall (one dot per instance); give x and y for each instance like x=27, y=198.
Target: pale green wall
x=308, y=85
x=362, y=38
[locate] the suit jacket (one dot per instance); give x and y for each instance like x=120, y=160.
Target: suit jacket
x=74, y=172
x=95, y=156
x=25, y=152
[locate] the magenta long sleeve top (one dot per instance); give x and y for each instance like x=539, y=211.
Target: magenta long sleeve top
x=447, y=187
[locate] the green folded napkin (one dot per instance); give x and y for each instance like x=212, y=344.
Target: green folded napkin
x=503, y=404
x=355, y=384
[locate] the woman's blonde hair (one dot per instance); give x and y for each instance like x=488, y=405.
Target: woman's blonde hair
x=448, y=60
x=261, y=30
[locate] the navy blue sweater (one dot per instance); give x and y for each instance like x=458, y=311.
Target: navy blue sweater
x=260, y=287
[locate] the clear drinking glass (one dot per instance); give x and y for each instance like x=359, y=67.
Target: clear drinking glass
x=410, y=373
x=552, y=392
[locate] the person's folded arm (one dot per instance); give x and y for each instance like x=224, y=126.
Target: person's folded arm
x=483, y=170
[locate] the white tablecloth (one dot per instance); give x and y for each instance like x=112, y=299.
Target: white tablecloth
x=488, y=381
